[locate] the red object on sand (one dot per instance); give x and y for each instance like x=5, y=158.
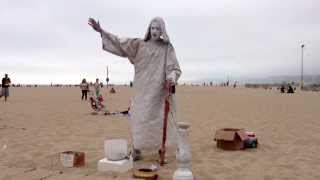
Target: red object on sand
x=250, y=134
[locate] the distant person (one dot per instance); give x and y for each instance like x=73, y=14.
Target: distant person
x=5, y=87
x=131, y=84
x=290, y=89
x=97, y=87
x=282, y=89
x=84, y=86
x=235, y=84
x=112, y=90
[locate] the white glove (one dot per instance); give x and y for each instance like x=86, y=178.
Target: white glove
x=172, y=78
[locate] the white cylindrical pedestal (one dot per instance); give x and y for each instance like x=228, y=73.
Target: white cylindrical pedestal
x=183, y=154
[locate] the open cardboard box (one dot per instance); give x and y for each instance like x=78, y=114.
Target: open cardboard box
x=230, y=138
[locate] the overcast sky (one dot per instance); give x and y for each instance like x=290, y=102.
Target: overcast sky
x=43, y=41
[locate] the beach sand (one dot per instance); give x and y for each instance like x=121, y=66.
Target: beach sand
x=39, y=123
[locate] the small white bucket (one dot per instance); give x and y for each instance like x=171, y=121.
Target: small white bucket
x=115, y=149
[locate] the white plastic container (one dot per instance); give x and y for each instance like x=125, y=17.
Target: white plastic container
x=115, y=149
x=121, y=166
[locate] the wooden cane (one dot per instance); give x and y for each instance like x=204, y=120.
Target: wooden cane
x=165, y=124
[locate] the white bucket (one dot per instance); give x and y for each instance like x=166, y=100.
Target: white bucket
x=115, y=149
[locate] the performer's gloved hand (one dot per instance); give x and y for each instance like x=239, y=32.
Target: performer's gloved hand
x=171, y=81
x=171, y=78
x=167, y=86
x=95, y=25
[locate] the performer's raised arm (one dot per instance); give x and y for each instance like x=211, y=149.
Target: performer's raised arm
x=124, y=47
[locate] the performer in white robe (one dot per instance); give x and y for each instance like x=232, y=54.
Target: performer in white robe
x=155, y=64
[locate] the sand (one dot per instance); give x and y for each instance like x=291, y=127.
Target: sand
x=39, y=123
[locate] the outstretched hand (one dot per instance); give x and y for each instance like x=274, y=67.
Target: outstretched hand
x=95, y=25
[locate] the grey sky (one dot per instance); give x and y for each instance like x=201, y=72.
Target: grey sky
x=44, y=41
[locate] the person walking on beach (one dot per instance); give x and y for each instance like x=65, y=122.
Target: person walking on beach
x=6, y=82
x=97, y=87
x=156, y=66
x=84, y=86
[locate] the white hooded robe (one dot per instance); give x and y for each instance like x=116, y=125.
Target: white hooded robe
x=153, y=64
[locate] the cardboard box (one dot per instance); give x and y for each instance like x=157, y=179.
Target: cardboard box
x=230, y=138
x=72, y=159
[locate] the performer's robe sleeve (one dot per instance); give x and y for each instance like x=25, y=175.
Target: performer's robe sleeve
x=124, y=47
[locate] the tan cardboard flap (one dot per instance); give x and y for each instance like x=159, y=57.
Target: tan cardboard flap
x=242, y=134
x=228, y=134
x=224, y=135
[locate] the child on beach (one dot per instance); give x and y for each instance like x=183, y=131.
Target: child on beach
x=97, y=103
x=97, y=87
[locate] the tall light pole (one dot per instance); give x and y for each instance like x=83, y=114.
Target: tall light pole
x=301, y=83
x=107, y=76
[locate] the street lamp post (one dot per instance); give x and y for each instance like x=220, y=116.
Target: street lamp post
x=107, y=77
x=301, y=83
